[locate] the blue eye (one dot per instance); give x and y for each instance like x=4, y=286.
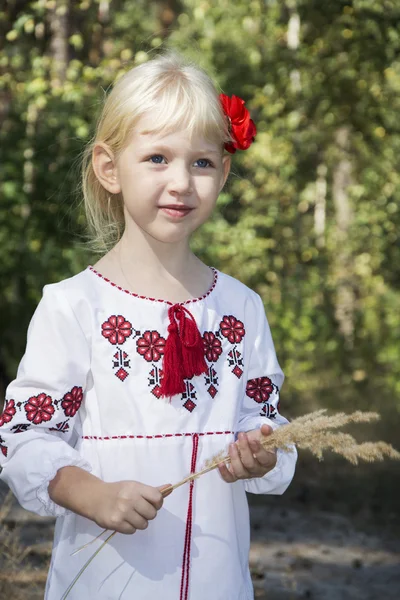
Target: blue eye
x=156, y=159
x=203, y=162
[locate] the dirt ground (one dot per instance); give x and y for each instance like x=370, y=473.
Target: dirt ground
x=297, y=551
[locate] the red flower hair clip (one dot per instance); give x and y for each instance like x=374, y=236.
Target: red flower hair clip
x=241, y=126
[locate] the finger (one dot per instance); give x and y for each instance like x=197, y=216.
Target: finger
x=165, y=490
x=145, y=509
x=236, y=466
x=126, y=528
x=153, y=495
x=226, y=474
x=246, y=453
x=266, y=430
x=263, y=457
x=137, y=520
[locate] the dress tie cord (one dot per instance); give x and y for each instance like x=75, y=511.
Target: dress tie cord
x=184, y=351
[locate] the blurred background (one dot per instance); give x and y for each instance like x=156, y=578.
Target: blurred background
x=310, y=219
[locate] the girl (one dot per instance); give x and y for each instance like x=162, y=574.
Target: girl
x=148, y=363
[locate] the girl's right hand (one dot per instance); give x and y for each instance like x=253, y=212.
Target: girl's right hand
x=126, y=506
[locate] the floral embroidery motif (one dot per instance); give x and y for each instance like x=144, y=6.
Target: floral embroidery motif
x=259, y=389
x=3, y=447
x=116, y=329
x=211, y=380
x=151, y=346
x=212, y=346
x=232, y=329
x=155, y=381
x=121, y=361
x=8, y=412
x=72, y=401
x=39, y=408
x=189, y=395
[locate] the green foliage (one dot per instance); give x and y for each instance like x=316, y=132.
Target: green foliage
x=341, y=74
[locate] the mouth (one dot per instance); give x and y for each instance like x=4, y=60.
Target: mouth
x=176, y=211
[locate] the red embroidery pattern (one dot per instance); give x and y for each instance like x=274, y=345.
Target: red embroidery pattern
x=42, y=408
x=155, y=381
x=3, y=447
x=259, y=389
x=8, y=412
x=215, y=279
x=151, y=346
x=121, y=362
x=232, y=329
x=72, y=401
x=61, y=427
x=212, y=346
x=20, y=427
x=184, y=590
x=189, y=395
x=211, y=380
x=235, y=360
x=39, y=408
x=268, y=410
x=154, y=437
x=116, y=329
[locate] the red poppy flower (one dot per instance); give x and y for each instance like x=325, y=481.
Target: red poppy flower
x=242, y=127
x=8, y=412
x=232, y=329
x=39, y=408
x=259, y=389
x=151, y=346
x=72, y=401
x=212, y=346
x=116, y=329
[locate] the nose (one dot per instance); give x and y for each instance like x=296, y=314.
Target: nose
x=180, y=180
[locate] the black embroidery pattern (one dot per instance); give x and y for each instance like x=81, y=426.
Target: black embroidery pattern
x=155, y=381
x=189, y=395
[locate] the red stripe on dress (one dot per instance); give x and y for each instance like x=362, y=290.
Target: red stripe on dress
x=152, y=437
x=189, y=523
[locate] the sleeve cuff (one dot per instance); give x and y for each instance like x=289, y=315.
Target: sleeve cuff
x=48, y=507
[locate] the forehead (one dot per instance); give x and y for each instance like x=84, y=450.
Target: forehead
x=145, y=134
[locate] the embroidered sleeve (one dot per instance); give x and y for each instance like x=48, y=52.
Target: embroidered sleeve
x=41, y=419
x=261, y=401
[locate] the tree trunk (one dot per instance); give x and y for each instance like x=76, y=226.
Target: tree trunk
x=58, y=20
x=342, y=179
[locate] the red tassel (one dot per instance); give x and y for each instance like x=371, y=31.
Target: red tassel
x=184, y=351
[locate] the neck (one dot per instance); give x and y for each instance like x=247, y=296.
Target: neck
x=156, y=258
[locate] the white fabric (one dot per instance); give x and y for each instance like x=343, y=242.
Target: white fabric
x=121, y=430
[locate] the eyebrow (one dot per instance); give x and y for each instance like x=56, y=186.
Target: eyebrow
x=161, y=148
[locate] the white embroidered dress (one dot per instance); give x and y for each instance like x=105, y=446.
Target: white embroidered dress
x=87, y=394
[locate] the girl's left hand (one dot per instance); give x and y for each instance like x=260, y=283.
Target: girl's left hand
x=248, y=458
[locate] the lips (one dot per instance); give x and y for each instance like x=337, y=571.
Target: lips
x=176, y=210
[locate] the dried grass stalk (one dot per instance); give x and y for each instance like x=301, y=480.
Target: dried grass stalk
x=314, y=432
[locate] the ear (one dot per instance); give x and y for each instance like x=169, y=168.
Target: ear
x=226, y=167
x=105, y=169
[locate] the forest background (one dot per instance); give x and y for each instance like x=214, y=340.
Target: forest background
x=310, y=217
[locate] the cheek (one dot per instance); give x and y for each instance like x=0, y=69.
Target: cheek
x=207, y=187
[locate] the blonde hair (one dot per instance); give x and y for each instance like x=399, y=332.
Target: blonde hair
x=179, y=95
